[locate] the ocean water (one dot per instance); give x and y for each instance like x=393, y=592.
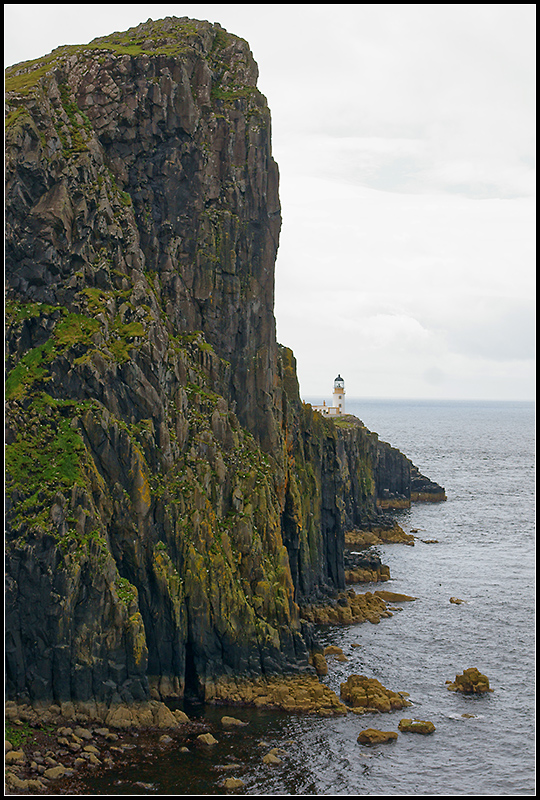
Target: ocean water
x=484, y=553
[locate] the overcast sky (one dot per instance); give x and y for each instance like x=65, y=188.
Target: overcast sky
x=405, y=137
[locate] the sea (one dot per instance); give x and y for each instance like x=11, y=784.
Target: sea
x=478, y=546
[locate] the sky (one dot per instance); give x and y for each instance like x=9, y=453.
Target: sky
x=405, y=139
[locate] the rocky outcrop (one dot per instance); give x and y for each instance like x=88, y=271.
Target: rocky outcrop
x=368, y=694
x=375, y=736
x=171, y=501
x=424, y=490
x=362, y=539
x=303, y=694
x=348, y=608
x=424, y=727
x=471, y=681
x=364, y=567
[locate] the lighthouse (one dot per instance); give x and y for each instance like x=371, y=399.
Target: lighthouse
x=339, y=395
x=338, y=400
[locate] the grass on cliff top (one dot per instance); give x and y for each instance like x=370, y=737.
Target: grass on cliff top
x=346, y=421
x=171, y=37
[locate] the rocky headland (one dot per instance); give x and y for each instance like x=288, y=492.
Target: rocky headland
x=176, y=516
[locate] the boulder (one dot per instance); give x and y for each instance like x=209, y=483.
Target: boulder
x=472, y=681
x=22, y=785
x=271, y=758
x=232, y=722
x=164, y=717
x=206, y=739
x=393, y=597
x=232, y=783
x=361, y=692
x=53, y=773
x=319, y=662
x=456, y=600
x=333, y=650
x=82, y=733
x=416, y=726
x=15, y=757
x=374, y=736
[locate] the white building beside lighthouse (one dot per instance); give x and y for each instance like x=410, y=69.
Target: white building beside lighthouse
x=338, y=400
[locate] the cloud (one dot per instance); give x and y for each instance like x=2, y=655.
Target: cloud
x=405, y=137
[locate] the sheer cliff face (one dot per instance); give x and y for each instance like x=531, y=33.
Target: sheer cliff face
x=170, y=501
x=145, y=159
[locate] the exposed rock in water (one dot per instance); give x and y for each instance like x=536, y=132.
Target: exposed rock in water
x=416, y=726
x=375, y=736
x=171, y=502
x=232, y=783
x=391, y=534
x=472, y=681
x=393, y=597
x=364, y=567
x=349, y=607
x=368, y=694
x=423, y=489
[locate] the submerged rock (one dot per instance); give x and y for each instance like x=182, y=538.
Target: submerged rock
x=232, y=722
x=394, y=597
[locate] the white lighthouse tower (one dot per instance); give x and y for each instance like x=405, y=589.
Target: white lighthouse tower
x=339, y=395
x=338, y=400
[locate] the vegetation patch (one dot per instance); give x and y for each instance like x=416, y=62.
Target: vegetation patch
x=125, y=590
x=31, y=368
x=44, y=459
x=19, y=735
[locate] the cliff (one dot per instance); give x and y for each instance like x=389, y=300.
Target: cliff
x=170, y=500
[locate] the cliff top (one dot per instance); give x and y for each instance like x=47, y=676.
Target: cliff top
x=171, y=36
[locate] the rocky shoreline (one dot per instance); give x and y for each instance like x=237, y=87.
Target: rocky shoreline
x=50, y=748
